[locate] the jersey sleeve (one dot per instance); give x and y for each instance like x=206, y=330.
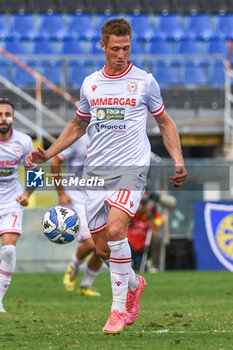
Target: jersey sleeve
x=28, y=147
x=66, y=154
x=154, y=100
x=83, y=110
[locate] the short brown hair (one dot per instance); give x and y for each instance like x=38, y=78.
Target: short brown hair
x=6, y=101
x=115, y=26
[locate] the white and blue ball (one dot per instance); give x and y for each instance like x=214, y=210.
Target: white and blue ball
x=61, y=224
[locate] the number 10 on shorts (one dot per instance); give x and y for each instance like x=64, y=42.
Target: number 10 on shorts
x=123, y=197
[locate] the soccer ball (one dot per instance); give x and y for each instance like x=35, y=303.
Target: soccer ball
x=61, y=224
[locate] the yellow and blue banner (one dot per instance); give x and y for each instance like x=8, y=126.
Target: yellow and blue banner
x=213, y=235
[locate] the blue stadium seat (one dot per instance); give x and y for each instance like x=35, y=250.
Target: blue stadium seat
x=52, y=70
x=216, y=46
x=104, y=18
x=3, y=28
x=43, y=47
x=139, y=63
x=178, y=66
x=93, y=66
x=22, y=78
x=136, y=48
x=15, y=47
x=158, y=47
x=52, y=27
x=71, y=47
x=22, y=27
x=80, y=27
x=142, y=28
x=198, y=27
x=169, y=27
x=95, y=48
x=217, y=74
x=76, y=74
x=187, y=46
x=165, y=74
x=194, y=74
x=224, y=27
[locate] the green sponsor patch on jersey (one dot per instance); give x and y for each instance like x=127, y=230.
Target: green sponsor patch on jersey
x=6, y=171
x=110, y=113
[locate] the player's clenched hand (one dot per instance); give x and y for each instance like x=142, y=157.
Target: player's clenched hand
x=64, y=199
x=180, y=176
x=22, y=199
x=37, y=156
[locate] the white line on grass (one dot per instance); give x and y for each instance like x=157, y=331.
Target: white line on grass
x=162, y=331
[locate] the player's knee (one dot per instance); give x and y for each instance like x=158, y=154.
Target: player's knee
x=102, y=253
x=90, y=244
x=115, y=231
x=8, y=252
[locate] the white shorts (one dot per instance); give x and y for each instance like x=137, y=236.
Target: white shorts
x=78, y=199
x=11, y=219
x=123, y=192
x=98, y=204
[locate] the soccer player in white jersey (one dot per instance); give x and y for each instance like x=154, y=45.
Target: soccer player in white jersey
x=74, y=157
x=14, y=147
x=113, y=108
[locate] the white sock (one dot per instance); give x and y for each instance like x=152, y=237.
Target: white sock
x=89, y=276
x=75, y=262
x=120, y=260
x=7, y=267
x=106, y=262
x=133, y=280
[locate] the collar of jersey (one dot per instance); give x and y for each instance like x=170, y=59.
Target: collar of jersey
x=10, y=138
x=126, y=71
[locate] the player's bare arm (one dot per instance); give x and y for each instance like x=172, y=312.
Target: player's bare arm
x=73, y=131
x=172, y=143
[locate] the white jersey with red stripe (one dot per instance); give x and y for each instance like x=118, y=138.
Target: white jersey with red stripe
x=12, y=152
x=117, y=107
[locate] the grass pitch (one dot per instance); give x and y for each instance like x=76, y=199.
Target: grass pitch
x=179, y=310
